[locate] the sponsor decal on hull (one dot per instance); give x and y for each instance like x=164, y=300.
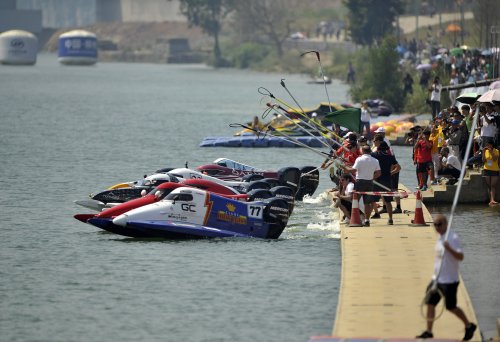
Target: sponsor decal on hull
x=231, y=216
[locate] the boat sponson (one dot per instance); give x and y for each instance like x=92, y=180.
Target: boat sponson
x=170, y=229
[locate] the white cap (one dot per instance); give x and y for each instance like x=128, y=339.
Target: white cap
x=380, y=130
x=314, y=115
x=347, y=135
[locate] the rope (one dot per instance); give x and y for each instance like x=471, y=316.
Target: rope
x=402, y=194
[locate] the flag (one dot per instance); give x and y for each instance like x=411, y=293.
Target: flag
x=349, y=118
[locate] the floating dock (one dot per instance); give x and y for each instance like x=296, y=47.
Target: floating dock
x=385, y=272
x=262, y=141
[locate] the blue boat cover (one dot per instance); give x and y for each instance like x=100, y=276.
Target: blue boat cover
x=254, y=141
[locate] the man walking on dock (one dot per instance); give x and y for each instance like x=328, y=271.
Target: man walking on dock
x=448, y=255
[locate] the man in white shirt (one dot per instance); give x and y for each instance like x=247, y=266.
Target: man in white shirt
x=367, y=169
x=448, y=255
x=365, y=120
x=435, y=98
x=450, y=166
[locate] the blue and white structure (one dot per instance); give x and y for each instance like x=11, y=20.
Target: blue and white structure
x=77, y=47
x=18, y=47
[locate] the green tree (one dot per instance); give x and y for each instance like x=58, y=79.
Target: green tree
x=208, y=15
x=382, y=77
x=266, y=21
x=371, y=20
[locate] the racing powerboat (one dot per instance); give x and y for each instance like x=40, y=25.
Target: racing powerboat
x=190, y=213
x=230, y=170
x=162, y=190
x=116, y=195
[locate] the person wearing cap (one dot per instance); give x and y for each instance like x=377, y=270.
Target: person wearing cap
x=388, y=167
x=365, y=120
x=362, y=141
x=381, y=131
x=378, y=140
x=454, y=138
x=348, y=152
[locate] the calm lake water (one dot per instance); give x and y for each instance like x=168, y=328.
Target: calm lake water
x=69, y=131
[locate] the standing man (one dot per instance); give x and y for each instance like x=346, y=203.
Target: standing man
x=388, y=167
x=365, y=120
x=423, y=159
x=448, y=255
x=435, y=97
x=367, y=169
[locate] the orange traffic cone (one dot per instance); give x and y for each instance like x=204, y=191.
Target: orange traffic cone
x=355, y=214
x=418, y=220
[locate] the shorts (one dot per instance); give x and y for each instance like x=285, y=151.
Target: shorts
x=455, y=173
x=490, y=173
x=365, y=185
x=347, y=204
x=449, y=292
x=424, y=167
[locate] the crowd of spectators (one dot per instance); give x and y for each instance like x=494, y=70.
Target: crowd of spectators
x=439, y=149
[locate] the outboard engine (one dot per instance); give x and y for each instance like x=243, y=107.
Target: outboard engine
x=272, y=182
x=276, y=213
x=259, y=195
x=258, y=184
x=289, y=176
x=309, y=182
x=251, y=177
x=286, y=194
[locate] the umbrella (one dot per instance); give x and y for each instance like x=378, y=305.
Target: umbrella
x=490, y=96
x=486, y=52
x=425, y=66
x=494, y=85
x=453, y=28
x=442, y=50
x=456, y=52
x=468, y=98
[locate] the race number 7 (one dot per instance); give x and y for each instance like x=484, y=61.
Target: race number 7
x=255, y=211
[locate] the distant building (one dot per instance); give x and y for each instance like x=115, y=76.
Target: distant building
x=77, y=13
x=108, y=11
x=12, y=18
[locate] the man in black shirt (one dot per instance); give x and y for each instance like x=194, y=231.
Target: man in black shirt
x=388, y=167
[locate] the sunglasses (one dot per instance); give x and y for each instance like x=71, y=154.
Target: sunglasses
x=438, y=224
